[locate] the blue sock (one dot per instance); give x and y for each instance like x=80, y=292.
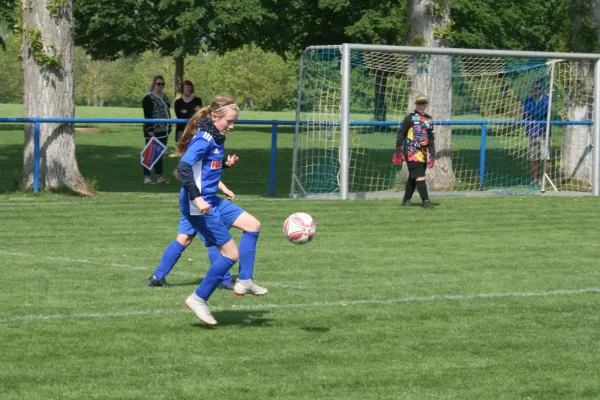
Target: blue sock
x=213, y=276
x=213, y=256
x=247, y=254
x=169, y=259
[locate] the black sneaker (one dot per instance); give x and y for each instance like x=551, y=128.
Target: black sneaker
x=427, y=204
x=152, y=281
x=405, y=203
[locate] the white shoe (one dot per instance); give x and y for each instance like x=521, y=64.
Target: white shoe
x=200, y=308
x=247, y=286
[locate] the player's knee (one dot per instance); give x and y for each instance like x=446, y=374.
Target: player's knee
x=230, y=251
x=247, y=223
x=254, y=225
x=184, y=240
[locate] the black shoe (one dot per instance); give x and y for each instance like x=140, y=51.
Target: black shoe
x=427, y=204
x=405, y=203
x=152, y=281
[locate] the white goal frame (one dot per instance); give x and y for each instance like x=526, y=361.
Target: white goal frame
x=347, y=48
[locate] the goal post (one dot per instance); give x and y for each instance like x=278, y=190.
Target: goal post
x=353, y=97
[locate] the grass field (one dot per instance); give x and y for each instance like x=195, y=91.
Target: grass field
x=492, y=298
x=480, y=298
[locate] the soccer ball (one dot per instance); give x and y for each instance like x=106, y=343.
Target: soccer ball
x=299, y=228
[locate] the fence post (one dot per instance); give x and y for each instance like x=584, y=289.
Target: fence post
x=482, y=147
x=36, y=156
x=273, y=158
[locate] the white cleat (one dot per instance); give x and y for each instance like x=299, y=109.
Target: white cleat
x=200, y=308
x=247, y=286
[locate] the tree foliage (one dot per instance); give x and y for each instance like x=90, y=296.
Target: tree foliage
x=535, y=25
x=139, y=35
x=11, y=75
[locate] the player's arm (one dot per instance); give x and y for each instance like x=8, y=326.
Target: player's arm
x=194, y=153
x=526, y=111
x=398, y=157
x=401, y=136
x=431, y=144
x=226, y=191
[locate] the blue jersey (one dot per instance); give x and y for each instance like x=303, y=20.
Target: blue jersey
x=536, y=111
x=205, y=156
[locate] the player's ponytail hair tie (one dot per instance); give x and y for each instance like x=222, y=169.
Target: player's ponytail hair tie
x=220, y=108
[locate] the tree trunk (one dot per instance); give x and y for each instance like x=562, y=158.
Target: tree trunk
x=47, y=53
x=576, y=162
x=576, y=156
x=432, y=76
x=178, y=76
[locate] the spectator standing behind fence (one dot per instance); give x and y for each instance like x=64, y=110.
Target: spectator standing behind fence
x=186, y=106
x=156, y=106
x=535, y=108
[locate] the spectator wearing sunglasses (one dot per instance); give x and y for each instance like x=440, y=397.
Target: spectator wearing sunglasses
x=156, y=106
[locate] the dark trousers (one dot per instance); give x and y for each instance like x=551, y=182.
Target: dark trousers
x=158, y=167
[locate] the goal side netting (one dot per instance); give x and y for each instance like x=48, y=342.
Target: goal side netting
x=502, y=124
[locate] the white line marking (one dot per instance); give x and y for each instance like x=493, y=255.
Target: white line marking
x=74, y=260
x=416, y=299
x=131, y=267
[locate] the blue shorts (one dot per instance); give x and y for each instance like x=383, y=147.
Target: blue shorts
x=227, y=211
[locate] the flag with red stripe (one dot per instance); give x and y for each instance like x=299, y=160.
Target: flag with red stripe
x=152, y=153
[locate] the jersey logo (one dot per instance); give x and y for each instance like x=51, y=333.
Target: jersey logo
x=206, y=136
x=215, y=164
x=216, y=151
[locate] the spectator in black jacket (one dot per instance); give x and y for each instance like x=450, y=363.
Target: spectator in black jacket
x=186, y=106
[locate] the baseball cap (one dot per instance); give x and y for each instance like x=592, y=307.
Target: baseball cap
x=421, y=99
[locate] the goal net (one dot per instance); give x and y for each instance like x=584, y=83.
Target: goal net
x=518, y=124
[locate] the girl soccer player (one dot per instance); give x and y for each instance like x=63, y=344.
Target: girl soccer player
x=202, y=147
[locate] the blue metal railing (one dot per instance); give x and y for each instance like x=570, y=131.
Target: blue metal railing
x=274, y=131
x=38, y=121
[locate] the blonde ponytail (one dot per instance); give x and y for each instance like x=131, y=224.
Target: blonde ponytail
x=217, y=107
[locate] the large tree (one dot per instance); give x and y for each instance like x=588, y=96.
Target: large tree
x=47, y=53
x=431, y=75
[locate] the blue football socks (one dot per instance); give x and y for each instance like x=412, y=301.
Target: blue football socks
x=247, y=254
x=213, y=256
x=169, y=259
x=214, y=276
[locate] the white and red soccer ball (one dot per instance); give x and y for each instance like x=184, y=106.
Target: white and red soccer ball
x=299, y=228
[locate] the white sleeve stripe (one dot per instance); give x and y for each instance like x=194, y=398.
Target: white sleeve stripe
x=207, y=136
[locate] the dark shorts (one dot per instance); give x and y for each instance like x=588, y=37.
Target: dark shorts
x=416, y=169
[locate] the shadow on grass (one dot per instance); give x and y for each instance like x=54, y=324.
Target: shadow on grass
x=195, y=282
x=118, y=169
x=249, y=318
